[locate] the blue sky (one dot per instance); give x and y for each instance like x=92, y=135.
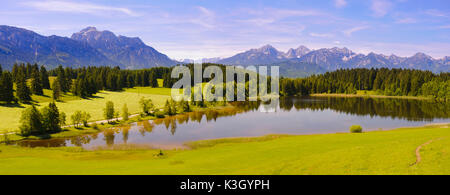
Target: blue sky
x=212, y=28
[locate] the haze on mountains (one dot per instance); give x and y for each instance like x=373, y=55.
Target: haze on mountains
x=91, y=47
x=309, y=61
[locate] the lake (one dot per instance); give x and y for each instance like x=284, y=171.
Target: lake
x=296, y=116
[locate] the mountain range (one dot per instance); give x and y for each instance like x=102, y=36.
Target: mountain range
x=87, y=47
x=91, y=47
x=322, y=60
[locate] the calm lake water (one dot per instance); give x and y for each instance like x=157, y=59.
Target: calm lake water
x=306, y=115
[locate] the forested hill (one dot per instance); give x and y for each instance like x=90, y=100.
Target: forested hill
x=390, y=82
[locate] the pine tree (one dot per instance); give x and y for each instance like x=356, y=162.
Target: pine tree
x=15, y=71
x=22, y=91
x=44, y=78
x=51, y=118
x=31, y=122
x=36, y=84
x=62, y=79
x=56, y=89
x=6, y=87
x=153, y=80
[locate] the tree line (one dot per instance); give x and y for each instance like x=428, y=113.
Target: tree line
x=390, y=82
x=27, y=79
x=87, y=81
x=20, y=76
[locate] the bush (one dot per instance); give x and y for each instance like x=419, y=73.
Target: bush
x=356, y=129
x=95, y=126
x=159, y=114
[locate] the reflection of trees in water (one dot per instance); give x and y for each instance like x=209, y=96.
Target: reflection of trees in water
x=145, y=127
x=43, y=143
x=412, y=110
x=409, y=109
x=170, y=123
x=80, y=140
x=125, y=133
x=109, y=136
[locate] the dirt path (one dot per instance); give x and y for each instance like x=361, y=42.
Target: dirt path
x=418, y=157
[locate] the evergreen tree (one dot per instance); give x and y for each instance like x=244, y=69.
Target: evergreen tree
x=56, y=90
x=62, y=79
x=6, y=87
x=15, y=71
x=31, y=122
x=185, y=106
x=44, y=78
x=36, y=84
x=22, y=91
x=51, y=118
x=153, y=79
x=169, y=108
x=29, y=70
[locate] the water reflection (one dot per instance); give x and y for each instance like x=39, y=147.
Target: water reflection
x=290, y=116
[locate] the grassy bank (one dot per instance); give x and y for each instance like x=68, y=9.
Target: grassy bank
x=381, y=152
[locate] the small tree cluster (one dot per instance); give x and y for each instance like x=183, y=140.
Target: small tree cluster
x=80, y=118
x=146, y=106
x=35, y=122
x=170, y=108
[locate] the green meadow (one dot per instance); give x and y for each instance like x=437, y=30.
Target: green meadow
x=379, y=152
x=10, y=115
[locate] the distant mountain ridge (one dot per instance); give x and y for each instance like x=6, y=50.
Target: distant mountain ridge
x=335, y=58
x=91, y=47
x=21, y=45
x=88, y=47
x=130, y=52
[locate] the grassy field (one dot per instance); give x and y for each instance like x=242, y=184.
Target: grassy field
x=381, y=152
x=10, y=115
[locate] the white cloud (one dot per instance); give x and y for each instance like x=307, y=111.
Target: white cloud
x=444, y=27
x=205, y=19
x=381, y=7
x=76, y=7
x=436, y=13
x=406, y=21
x=276, y=14
x=340, y=3
x=349, y=32
x=323, y=35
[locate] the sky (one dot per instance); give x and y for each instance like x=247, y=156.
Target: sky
x=195, y=29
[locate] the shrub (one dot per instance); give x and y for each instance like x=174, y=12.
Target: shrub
x=159, y=114
x=95, y=126
x=356, y=129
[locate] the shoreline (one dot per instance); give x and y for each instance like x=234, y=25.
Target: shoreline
x=369, y=96
x=70, y=131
